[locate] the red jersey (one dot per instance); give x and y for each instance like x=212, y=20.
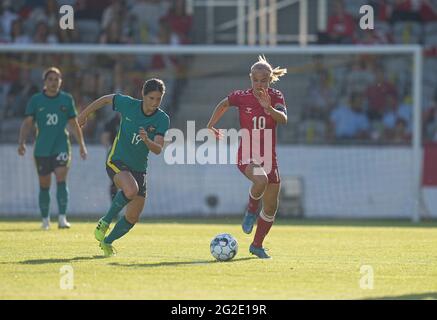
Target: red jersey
x=255, y=119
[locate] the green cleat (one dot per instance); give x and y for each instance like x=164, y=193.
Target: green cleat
x=101, y=229
x=108, y=249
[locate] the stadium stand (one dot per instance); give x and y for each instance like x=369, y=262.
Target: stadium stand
x=166, y=22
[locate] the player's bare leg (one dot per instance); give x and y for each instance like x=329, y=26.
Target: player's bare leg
x=62, y=196
x=265, y=219
x=129, y=190
x=259, y=184
x=134, y=209
x=44, y=200
x=126, y=182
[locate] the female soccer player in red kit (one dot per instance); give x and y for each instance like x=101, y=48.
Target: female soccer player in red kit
x=260, y=108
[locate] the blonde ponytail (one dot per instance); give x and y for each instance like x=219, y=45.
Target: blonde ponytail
x=275, y=73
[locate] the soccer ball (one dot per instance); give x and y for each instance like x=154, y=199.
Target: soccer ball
x=224, y=247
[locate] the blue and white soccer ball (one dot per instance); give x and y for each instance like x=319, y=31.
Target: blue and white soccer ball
x=224, y=247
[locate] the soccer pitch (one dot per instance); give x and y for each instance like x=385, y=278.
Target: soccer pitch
x=170, y=259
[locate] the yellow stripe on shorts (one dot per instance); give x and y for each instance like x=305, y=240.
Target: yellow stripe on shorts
x=109, y=162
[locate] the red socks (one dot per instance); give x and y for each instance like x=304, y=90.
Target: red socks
x=263, y=225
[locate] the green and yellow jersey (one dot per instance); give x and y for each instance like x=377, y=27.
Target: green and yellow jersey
x=128, y=146
x=51, y=115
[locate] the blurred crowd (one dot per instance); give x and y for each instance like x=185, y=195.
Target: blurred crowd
x=90, y=76
x=368, y=98
x=395, y=21
x=365, y=97
x=103, y=21
x=371, y=98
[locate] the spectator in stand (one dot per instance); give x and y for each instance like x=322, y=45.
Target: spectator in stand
x=3, y=37
x=117, y=14
x=47, y=12
x=401, y=133
x=52, y=15
x=68, y=36
x=389, y=118
x=382, y=9
x=377, y=94
x=19, y=93
x=413, y=10
x=321, y=97
x=405, y=111
x=43, y=35
x=359, y=77
x=7, y=16
x=179, y=21
x=17, y=34
x=405, y=10
x=90, y=9
x=146, y=15
x=115, y=11
x=428, y=11
x=349, y=121
x=341, y=25
x=113, y=34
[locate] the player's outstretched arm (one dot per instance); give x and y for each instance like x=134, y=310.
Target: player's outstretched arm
x=94, y=106
x=77, y=132
x=25, y=128
x=218, y=113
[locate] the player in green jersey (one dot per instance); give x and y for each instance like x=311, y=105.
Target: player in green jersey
x=51, y=111
x=142, y=129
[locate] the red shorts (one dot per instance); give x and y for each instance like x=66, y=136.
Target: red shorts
x=272, y=176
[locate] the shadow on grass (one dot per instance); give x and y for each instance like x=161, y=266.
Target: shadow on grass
x=308, y=222
x=413, y=296
x=174, y=263
x=66, y=260
x=22, y=230
x=236, y=220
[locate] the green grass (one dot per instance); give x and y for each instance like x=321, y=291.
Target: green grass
x=170, y=259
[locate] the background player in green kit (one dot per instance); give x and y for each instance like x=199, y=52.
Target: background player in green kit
x=51, y=111
x=142, y=129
